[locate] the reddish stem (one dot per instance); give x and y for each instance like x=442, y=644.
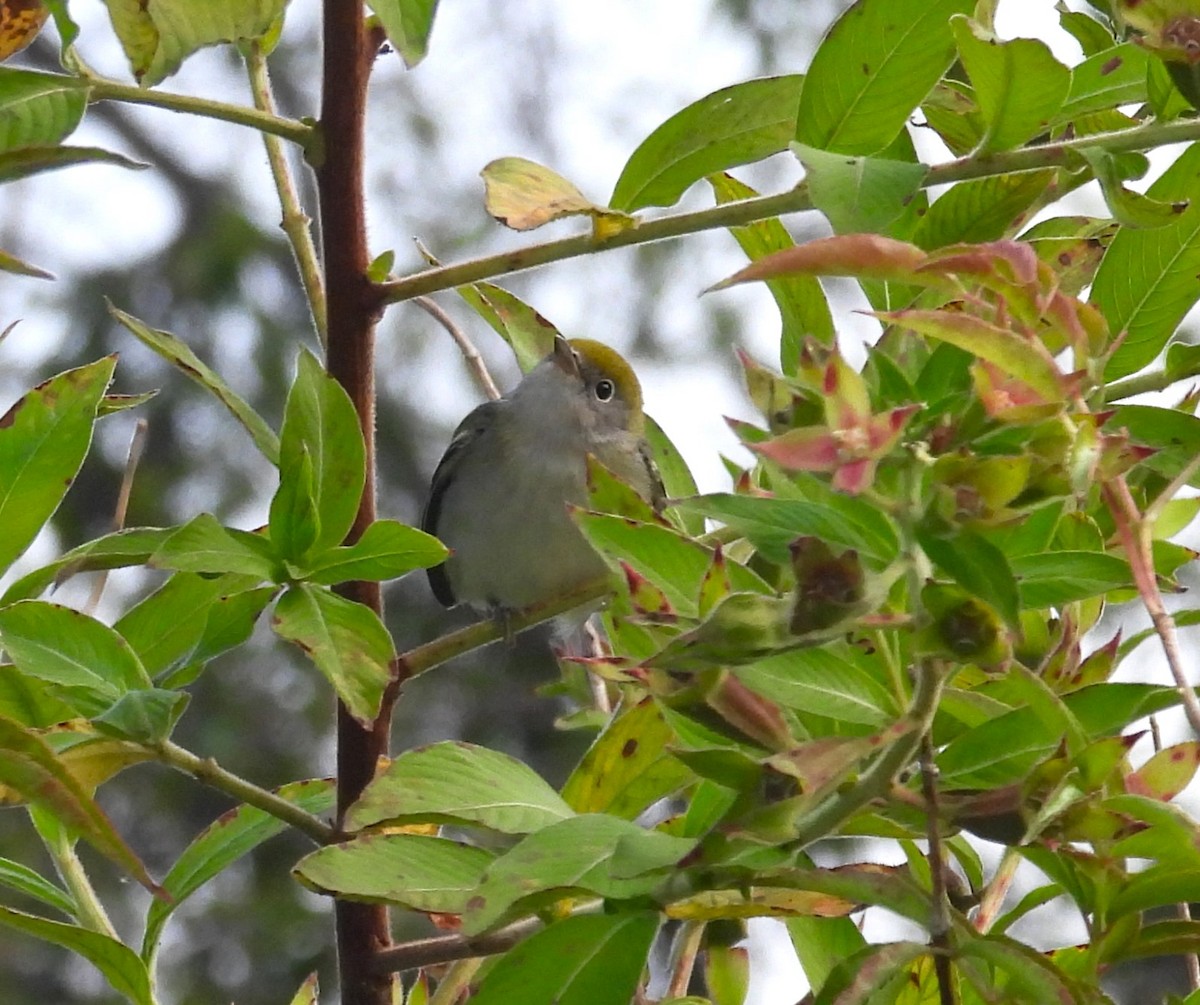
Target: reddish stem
x=353, y=309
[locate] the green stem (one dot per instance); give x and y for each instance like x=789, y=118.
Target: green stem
x=103, y=89
x=453, y=987
x=295, y=222
x=1154, y=380
x=464, y=640
x=732, y=214
x=89, y=911
x=208, y=771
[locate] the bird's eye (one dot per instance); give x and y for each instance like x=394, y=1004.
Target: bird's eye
x=605, y=389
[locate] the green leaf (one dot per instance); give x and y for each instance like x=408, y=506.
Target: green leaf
x=629, y=766
x=674, y=563
x=347, y=642
x=979, y=567
x=1019, y=84
x=1129, y=207
x=1116, y=76
x=1032, y=977
x=294, y=522
x=597, y=853
x=203, y=545
x=858, y=194
x=594, y=959
x=772, y=524
x=983, y=209
x=676, y=477
x=822, y=943
x=1017, y=355
x=419, y=872
x=118, y=963
x=736, y=125
x=145, y=716
x=24, y=880
x=38, y=109
x=34, y=160
x=133, y=546
x=230, y=621
x=43, y=440
x=1174, y=434
x=803, y=308
x=872, y=69
x=459, y=783
x=1054, y=578
x=68, y=647
x=30, y=768
x=319, y=420
x=179, y=354
x=168, y=624
x=873, y=969
x=832, y=681
x=1158, y=886
x=408, y=24
x=158, y=37
x=529, y=335
x=222, y=843
x=387, y=550
x=1146, y=282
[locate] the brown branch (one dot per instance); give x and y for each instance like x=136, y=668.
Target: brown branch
x=352, y=311
x=939, y=922
x=447, y=948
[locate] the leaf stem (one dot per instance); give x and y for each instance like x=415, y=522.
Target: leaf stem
x=89, y=911
x=104, y=89
x=447, y=948
x=208, y=771
x=295, y=222
x=744, y=211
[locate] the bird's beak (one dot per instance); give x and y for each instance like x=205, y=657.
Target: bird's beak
x=564, y=357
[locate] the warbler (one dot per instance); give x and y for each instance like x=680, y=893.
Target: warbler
x=500, y=494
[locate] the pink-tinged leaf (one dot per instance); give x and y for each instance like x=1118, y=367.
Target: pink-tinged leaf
x=856, y=476
x=864, y=256
x=985, y=260
x=1167, y=773
x=813, y=448
x=1017, y=356
x=847, y=401
x=884, y=430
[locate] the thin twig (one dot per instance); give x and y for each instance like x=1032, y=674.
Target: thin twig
x=102, y=89
x=939, y=919
x=690, y=937
x=447, y=948
x=1134, y=532
x=470, y=354
x=433, y=654
x=137, y=444
x=295, y=223
x=208, y=771
x=744, y=211
x=997, y=890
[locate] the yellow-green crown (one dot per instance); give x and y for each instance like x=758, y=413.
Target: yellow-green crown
x=612, y=365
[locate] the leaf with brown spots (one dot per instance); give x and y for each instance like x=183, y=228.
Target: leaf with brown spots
x=44, y=438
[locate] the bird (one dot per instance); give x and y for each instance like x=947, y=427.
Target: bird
x=500, y=496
